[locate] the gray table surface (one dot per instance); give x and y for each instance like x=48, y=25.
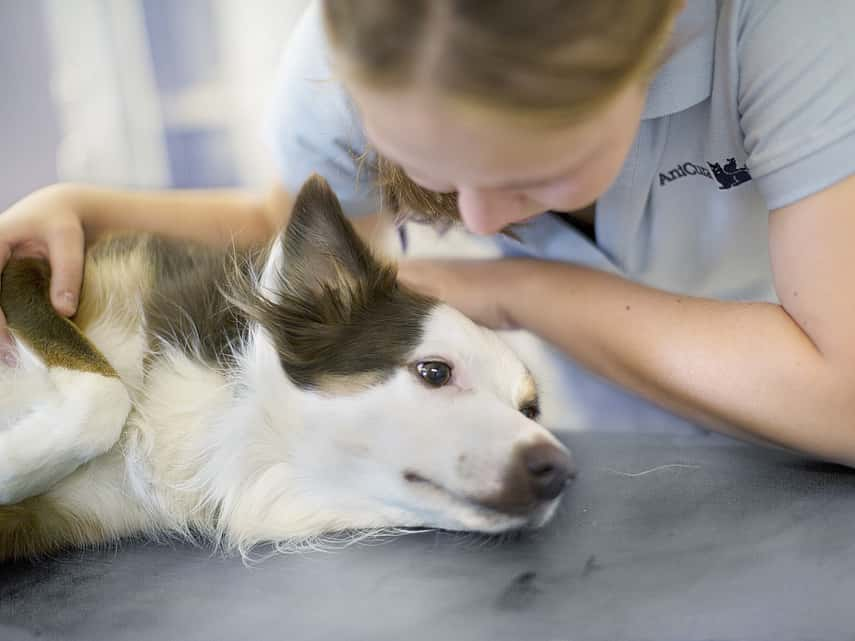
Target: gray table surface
x=726, y=542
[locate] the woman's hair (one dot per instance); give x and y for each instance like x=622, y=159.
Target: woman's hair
x=541, y=62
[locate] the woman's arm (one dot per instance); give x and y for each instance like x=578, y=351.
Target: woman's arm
x=210, y=216
x=782, y=373
x=56, y=223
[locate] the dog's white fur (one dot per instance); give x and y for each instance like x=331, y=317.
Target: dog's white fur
x=56, y=420
x=247, y=456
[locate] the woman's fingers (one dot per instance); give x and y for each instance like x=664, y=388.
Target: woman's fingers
x=65, y=254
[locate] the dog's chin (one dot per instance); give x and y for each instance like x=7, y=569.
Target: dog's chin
x=448, y=511
x=487, y=521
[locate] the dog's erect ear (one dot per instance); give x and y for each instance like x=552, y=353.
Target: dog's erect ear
x=320, y=249
x=333, y=311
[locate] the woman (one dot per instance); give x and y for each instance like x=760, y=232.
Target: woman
x=717, y=140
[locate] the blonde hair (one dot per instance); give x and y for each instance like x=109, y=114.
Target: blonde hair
x=545, y=63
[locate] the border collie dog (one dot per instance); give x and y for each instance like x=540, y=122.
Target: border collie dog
x=258, y=396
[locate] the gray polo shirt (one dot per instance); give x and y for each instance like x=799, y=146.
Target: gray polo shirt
x=754, y=110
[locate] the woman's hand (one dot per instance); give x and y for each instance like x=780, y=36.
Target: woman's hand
x=46, y=225
x=478, y=288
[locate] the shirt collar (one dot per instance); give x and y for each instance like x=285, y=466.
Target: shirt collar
x=686, y=77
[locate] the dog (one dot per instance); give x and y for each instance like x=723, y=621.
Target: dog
x=259, y=396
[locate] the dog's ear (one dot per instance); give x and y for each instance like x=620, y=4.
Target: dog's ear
x=332, y=309
x=320, y=249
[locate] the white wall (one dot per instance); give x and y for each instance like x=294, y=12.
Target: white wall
x=81, y=99
x=29, y=132
x=249, y=69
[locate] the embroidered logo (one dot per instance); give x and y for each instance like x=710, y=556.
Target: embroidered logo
x=727, y=176
x=730, y=175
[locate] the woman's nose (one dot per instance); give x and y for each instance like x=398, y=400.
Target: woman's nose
x=488, y=212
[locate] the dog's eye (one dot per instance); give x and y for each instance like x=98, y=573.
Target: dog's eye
x=434, y=373
x=531, y=411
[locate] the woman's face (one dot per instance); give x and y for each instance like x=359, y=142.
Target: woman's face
x=502, y=174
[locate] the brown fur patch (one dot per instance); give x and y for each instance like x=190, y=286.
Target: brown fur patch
x=528, y=397
x=117, y=272
x=39, y=526
x=346, y=385
x=187, y=306
x=177, y=286
x=25, y=299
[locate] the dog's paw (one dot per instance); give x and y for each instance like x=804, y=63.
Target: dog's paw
x=69, y=418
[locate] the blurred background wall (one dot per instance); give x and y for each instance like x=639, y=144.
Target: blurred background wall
x=144, y=93
x=29, y=129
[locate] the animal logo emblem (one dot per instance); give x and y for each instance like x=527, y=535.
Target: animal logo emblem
x=730, y=175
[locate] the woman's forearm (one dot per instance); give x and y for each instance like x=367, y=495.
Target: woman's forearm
x=209, y=216
x=748, y=365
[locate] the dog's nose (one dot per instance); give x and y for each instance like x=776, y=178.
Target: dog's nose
x=536, y=474
x=549, y=468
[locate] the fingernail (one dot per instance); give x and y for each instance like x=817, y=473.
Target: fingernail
x=68, y=301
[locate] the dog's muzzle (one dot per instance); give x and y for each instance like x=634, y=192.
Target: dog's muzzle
x=536, y=475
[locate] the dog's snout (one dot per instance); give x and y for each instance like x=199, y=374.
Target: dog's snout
x=536, y=474
x=549, y=469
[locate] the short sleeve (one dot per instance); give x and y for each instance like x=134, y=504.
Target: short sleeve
x=311, y=126
x=796, y=95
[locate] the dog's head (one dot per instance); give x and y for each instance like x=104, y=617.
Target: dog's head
x=409, y=413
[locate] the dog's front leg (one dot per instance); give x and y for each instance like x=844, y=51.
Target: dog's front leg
x=61, y=404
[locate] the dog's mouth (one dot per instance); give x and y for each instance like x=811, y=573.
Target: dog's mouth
x=472, y=514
